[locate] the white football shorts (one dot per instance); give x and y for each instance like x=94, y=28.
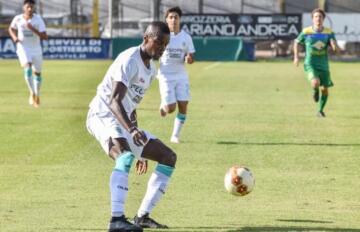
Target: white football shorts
x=30, y=56
x=172, y=91
x=105, y=126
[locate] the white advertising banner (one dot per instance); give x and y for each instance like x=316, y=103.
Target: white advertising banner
x=346, y=25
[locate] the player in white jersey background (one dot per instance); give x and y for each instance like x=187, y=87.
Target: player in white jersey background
x=27, y=30
x=172, y=75
x=112, y=121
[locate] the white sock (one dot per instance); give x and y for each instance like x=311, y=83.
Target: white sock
x=29, y=79
x=119, y=190
x=178, y=124
x=155, y=190
x=37, y=84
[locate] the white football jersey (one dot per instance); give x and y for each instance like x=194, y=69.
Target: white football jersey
x=172, y=61
x=29, y=40
x=129, y=69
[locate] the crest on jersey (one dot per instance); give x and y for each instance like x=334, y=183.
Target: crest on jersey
x=142, y=80
x=319, y=45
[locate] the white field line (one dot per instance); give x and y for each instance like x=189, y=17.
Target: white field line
x=211, y=66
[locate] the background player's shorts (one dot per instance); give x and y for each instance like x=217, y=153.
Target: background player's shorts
x=30, y=56
x=105, y=126
x=172, y=91
x=324, y=76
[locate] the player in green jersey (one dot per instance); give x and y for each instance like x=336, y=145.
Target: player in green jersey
x=317, y=39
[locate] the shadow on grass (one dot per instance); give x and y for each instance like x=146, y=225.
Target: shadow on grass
x=237, y=228
x=293, y=229
x=79, y=229
x=260, y=229
x=301, y=221
x=290, y=144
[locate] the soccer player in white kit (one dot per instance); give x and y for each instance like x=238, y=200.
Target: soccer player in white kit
x=172, y=75
x=26, y=30
x=112, y=121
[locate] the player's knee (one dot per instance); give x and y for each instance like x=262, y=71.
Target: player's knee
x=315, y=83
x=169, y=159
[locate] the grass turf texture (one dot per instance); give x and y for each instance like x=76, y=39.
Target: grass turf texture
x=54, y=176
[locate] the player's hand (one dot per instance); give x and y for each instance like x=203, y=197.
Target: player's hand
x=189, y=59
x=296, y=61
x=334, y=47
x=30, y=26
x=141, y=167
x=138, y=136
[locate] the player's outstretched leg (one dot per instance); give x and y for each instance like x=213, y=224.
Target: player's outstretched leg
x=315, y=83
x=322, y=103
x=29, y=83
x=178, y=124
x=37, y=79
x=316, y=95
x=179, y=121
x=158, y=182
x=119, y=190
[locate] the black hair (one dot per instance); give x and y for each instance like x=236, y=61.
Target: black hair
x=29, y=2
x=175, y=9
x=157, y=28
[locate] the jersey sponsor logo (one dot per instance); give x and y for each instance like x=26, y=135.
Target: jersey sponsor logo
x=28, y=33
x=138, y=89
x=174, y=53
x=137, y=99
x=139, y=93
x=319, y=45
x=174, y=50
x=319, y=53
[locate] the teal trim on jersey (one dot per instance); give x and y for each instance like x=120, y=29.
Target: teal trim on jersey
x=124, y=161
x=164, y=169
x=181, y=117
x=27, y=72
x=37, y=78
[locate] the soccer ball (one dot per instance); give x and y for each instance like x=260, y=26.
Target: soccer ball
x=239, y=181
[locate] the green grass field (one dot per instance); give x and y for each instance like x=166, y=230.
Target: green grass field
x=54, y=176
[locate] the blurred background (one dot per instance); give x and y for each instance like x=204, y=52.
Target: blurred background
x=266, y=28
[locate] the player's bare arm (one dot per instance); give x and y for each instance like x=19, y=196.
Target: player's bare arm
x=141, y=165
x=133, y=118
x=13, y=34
x=296, y=53
x=42, y=35
x=334, y=46
x=118, y=93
